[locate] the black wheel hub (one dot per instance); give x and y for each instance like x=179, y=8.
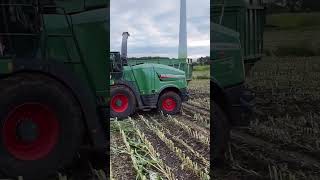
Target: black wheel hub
x=27, y=131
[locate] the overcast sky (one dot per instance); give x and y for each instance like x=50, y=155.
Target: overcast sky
x=154, y=27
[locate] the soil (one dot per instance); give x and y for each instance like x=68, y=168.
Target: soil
x=123, y=169
x=168, y=157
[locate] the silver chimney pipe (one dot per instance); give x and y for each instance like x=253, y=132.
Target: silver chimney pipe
x=124, y=44
x=183, y=53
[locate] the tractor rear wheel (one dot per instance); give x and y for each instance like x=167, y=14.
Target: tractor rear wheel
x=123, y=102
x=221, y=135
x=170, y=103
x=40, y=126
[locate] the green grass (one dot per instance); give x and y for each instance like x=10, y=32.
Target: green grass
x=297, y=34
x=201, y=68
x=201, y=72
x=294, y=20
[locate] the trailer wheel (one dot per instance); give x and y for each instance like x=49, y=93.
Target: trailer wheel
x=123, y=102
x=170, y=103
x=221, y=135
x=40, y=126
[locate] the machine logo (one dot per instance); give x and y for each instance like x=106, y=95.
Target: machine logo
x=170, y=76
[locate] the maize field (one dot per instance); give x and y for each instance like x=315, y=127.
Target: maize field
x=283, y=141
x=151, y=145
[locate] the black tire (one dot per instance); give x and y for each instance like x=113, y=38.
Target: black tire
x=126, y=110
x=220, y=135
x=17, y=92
x=173, y=96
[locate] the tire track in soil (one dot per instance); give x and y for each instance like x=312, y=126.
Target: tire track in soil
x=252, y=152
x=168, y=157
x=296, y=146
x=196, y=95
x=154, y=121
x=194, y=109
x=295, y=160
x=234, y=174
x=188, y=117
x=180, y=132
x=123, y=168
x=197, y=106
x=192, y=123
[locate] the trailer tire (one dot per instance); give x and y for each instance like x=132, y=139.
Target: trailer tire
x=127, y=99
x=170, y=103
x=220, y=135
x=41, y=126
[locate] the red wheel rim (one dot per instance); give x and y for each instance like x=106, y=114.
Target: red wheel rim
x=44, y=128
x=169, y=104
x=119, y=103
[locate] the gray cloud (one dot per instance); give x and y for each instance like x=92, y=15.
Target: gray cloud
x=154, y=27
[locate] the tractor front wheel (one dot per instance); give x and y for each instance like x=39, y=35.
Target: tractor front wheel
x=40, y=126
x=123, y=103
x=170, y=103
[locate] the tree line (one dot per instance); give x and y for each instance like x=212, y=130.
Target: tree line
x=295, y=5
x=198, y=61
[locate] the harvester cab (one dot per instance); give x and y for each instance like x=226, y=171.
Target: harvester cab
x=118, y=60
x=144, y=86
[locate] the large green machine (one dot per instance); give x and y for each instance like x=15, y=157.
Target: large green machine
x=236, y=40
x=52, y=84
x=182, y=64
x=144, y=85
x=246, y=17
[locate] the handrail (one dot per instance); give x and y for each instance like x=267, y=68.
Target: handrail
x=19, y=34
x=25, y=5
x=222, y=10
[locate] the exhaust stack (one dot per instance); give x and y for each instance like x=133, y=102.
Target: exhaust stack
x=124, y=45
x=183, y=53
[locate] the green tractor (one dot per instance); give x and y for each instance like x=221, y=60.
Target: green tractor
x=236, y=44
x=52, y=85
x=144, y=85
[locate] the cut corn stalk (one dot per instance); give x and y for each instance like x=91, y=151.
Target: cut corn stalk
x=186, y=161
x=161, y=166
x=140, y=175
x=197, y=135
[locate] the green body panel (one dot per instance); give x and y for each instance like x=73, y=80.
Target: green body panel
x=227, y=67
x=145, y=77
x=71, y=5
x=5, y=65
x=142, y=76
x=78, y=39
x=247, y=18
x=90, y=32
x=182, y=64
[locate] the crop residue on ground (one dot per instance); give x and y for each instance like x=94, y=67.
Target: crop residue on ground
x=153, y=145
